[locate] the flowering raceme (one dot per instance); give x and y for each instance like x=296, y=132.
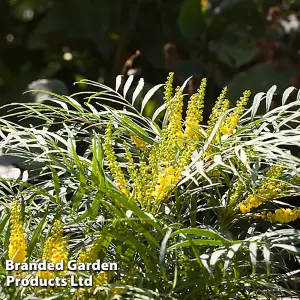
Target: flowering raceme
x=17, y=244
x=269, y=189
x=231, y=121
x=114, y=167
x=194, y=114
x=164, y=182
x=55, y=249
x=220, y=107
x=281, y=215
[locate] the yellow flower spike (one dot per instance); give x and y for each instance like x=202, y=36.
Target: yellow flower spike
x=46, y=274
x=194, y=115
x=131, y=166
x=229, y=125
x=140, y=180
x=168, y=94
x=220, y=107
x=113, y=164
x=244, y=209
x=270, y=188
x=295, y=180
x=165, y=181
x=180, y=135
x=78, y=295
x=102, y=278
x=169, y=146
x=231, y=121
x=143, y=183
x=163, y=154
x=193, y=119
x=281, y=215
x=170, y=171
x=241, y=104
x=17, y=245
x=90, y=255
x=55, y=249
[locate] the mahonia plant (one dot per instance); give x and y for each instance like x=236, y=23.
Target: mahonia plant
x=147, y=170
x=162, y=164
x=151, y=177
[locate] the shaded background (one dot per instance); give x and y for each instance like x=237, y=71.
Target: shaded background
x=244, y=44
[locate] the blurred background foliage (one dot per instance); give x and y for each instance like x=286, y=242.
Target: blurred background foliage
x=244, y=44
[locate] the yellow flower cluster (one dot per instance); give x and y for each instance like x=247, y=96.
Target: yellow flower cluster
x=169, y=146
x=169, y=88
x=250, y=202
x=114, y=166
x=165, y=182
x=229, y=125
x=17, y=245
x=169, y=176
x=194, y=114
x=46, y=275
x=55, y=249
x=269, y=189
x=236, y=192
x=281, y=215
x=164, y=153
x=295, y=180
x=152, y=178
x=78, y=295
x=232, y=120
x=92, y=253
x=220, y=107
x=121, y=290
x=101, y=279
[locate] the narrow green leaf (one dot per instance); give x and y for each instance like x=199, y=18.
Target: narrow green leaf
x=197, y=242
x=3, y=222
x=36, y=235
x=56, y=184
x=200, y=232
